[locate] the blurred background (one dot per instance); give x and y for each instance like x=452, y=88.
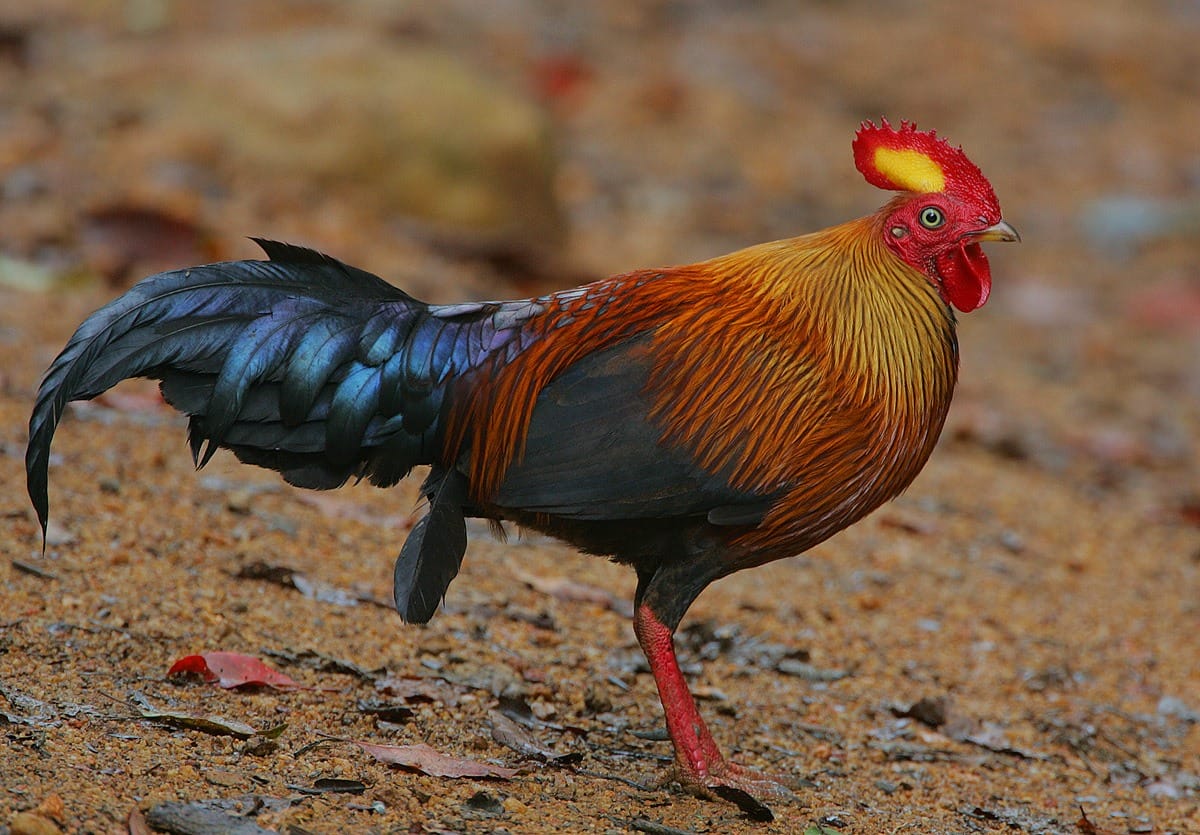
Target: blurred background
x=506, y=148
x=468, y=150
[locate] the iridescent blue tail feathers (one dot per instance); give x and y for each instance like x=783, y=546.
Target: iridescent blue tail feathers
x=301, y=364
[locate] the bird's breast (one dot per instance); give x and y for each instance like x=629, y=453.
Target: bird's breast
x=830, y=417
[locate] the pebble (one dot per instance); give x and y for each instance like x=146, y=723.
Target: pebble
x=28, y=823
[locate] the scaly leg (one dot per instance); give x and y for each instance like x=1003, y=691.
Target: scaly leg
x=699, y=766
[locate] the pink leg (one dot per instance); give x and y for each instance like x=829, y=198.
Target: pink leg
x=700, y=766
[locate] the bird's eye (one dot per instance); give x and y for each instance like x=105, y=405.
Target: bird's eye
x=932, y=217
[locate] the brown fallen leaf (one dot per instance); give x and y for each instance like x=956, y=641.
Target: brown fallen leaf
x=137, y=823
x=561, y=588
x=1088, y=828
x=517, y=738
x=426, y=760
x=46, y=819
x=419, y=689
x=122, y=239
x=52, y=807
x=335, y=507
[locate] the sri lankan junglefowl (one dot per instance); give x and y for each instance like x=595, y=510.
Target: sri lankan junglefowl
x=689, y=422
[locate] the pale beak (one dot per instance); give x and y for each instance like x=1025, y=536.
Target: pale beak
x=997, y=232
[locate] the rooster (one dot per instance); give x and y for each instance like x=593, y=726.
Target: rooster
x=689, y=422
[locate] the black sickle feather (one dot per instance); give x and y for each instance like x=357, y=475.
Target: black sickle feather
x=433, y=552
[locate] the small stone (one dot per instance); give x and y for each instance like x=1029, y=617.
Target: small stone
x=1176, y=708
x=225, y=778
x=238, y=501
x=30, y=823
x=111, y=486
x=543, y=710
x=1012, y=542
x=58, y=536
x=597, y=702
x=53, y=807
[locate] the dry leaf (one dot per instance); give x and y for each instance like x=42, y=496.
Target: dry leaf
x=422, y=758
x=1088, y=828
x=419, y=689
x=31, y=823
x=137, y=823
x=217, y=725
x=561, y=588
x=336, y=507
x=52, y=807
x=517, y=738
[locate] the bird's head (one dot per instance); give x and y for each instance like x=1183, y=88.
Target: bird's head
x=946, y=210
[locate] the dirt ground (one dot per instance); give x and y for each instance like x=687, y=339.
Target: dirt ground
x=1012, y=646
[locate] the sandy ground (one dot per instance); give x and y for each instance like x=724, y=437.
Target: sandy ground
x=1010, y=647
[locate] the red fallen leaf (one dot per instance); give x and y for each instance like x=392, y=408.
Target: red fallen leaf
x=1189, y=511
x=232, y=669
x=558, y=77
x=426, y=760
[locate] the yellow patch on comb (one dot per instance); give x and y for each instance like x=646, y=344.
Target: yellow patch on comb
x=910, y=170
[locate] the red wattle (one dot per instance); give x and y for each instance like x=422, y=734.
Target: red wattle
x=966, y=277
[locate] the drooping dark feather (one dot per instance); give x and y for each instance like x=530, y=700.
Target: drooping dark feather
x=433, y=552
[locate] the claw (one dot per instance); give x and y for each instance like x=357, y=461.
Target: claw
x=753, y=808
x=736, y=784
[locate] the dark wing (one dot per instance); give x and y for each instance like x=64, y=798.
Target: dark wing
x=593, y=452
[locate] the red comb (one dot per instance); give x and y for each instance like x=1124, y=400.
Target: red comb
x=907, y=159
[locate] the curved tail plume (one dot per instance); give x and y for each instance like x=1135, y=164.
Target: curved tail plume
x=300, y=364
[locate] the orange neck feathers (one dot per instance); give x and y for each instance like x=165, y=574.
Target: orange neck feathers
x=827, y=379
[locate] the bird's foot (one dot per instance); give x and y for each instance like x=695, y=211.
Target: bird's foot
x=744, y=787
